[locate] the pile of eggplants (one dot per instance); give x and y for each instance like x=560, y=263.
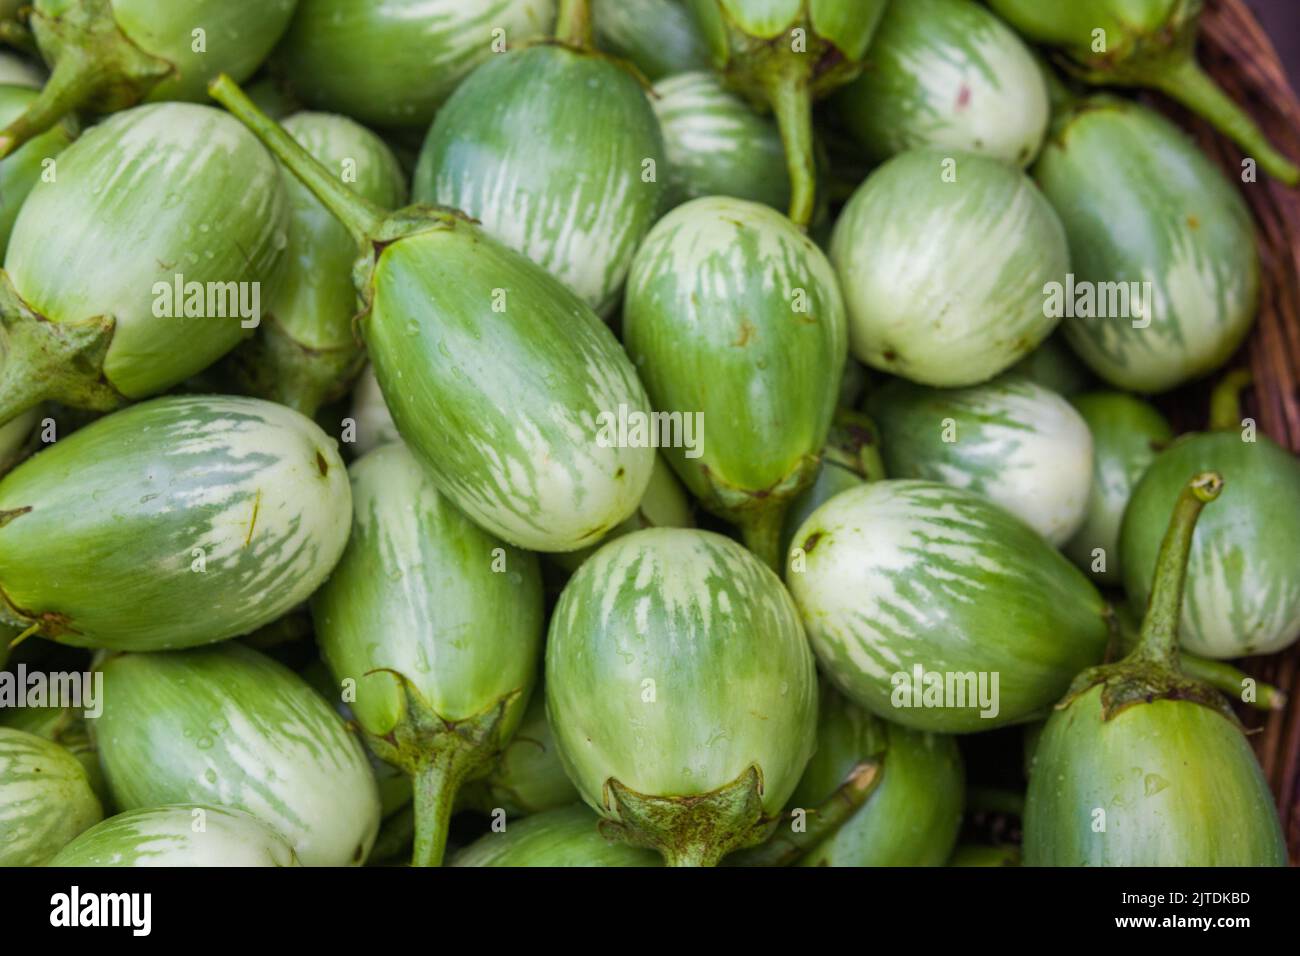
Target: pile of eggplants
x=632, y=433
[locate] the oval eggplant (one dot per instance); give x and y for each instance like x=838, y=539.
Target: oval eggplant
x=944, y=259
x=1167, y=276
x=22, y=169
x=45, y=799
x=331, y=50
x=733, y=316
x=933, y=607
x=1127, y=434
x=438, y=625
x=569, y=836
x=370, y=414
x=1018, y=444
x=672, y=757
x=566, y=187
x=65, y=726
x=230, y=727
x=659, y=37
x=174, y=220
x=1054, y=365
x=189, y=835
x=235, y=506
x=716, y=145
x=947, y=74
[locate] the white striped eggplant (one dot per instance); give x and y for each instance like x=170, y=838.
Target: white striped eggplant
x=681, y=692
x=45, y=798
x=1167, y=274
x=659, y=37
x=734, y=319
x=1054, y=365
x=374, y=422
x=1242, y=593
x=174, y=221
x=1144, y=43
x=575, y=190
x=107, y=55
x=65, y=726
x=1018, y=444
x=568, y=836
x=20, y=171
x=438, y=626
x=229, y=727
x=918, y=597
x=1142, y=766
x=1127, y=434
x=211, y=517
x=331, y=53
x=944, y=258
x=497, y=376
x=947, y=74
x=784, y=54
x=716, y=145
x=306, y=352
x=184, y=835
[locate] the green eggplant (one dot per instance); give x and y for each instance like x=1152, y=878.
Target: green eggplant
x=438, y=627
x=1242, y=593
x=1018, y=444
x=185, y=835
x=944, y=258
x=45, y=798
x=567, y=836
x=230, y=727
x=1143, y=43
x=1054, y=365
x=950, y=75
x=306, y=353
x=498, y=377
x=1168, y=277
x=784, y=54
x=370, y=415
x=20, y=172
x=174, y=221
x=333, y=51
x=16, y=438
x=735, y=317
x=913, y=815
x=575, y=190
x=18, y=71
x=1140, y=765
x=107, y=55
x=970, y=854
x=658, y=37
x=716, y=145
x=65, y=726
x=672, y=754
x=1127, y=434
x=235, y=507
x=934, y=608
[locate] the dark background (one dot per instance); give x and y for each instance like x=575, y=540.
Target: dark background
x=1281, y=20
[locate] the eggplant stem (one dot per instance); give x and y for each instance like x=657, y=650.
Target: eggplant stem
x=573, y=25
x=1225, y=400
x=358, y=215
x=761, y=532
x=74, y=78
x=787, y=92
x=436, y=782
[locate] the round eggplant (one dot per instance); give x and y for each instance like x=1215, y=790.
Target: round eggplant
x=45, y=798
x=659, y=37
x=65, y=726
x=189, y=835
x=569, y=836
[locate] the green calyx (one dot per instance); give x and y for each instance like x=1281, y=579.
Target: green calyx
x=760, y=515
x=854, y=444
x=275, y=365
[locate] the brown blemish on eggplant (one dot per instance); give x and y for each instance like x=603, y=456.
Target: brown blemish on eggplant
x=257, y=507
x=746, y=333
x=322, y=465
x=1193, y=222
x=811, y=541
x=620, y=473
x=8, y=516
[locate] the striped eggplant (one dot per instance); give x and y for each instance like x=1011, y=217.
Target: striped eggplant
x=185, y=835
x=333, y=50
x=681, y=692
x=734, y=319
x=174, y=221
x=45, y=798
x=370, y=415
x=211, y=517
x=65, y=726
x=306, y=353
x=1142, y=766
x=229, y=727
x=912, y=815
x=107, y=55
x=944, y=258
x=1143, y=43
x=947, y=74
x=18, y=71
x=438, y=627
x=498, y=377
x=716, y=145
x=1018, y=444
x=784, y=54
x=1054, y=365
x=1168, y=277
x=1127, y=434
x=33, y=161
x=574, y=189
x=659, y=37
x=568, y=836
x=934, y=608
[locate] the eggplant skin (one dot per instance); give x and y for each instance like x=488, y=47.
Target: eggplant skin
x=167, y=836
x=45, y=798
x=1173, y=782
